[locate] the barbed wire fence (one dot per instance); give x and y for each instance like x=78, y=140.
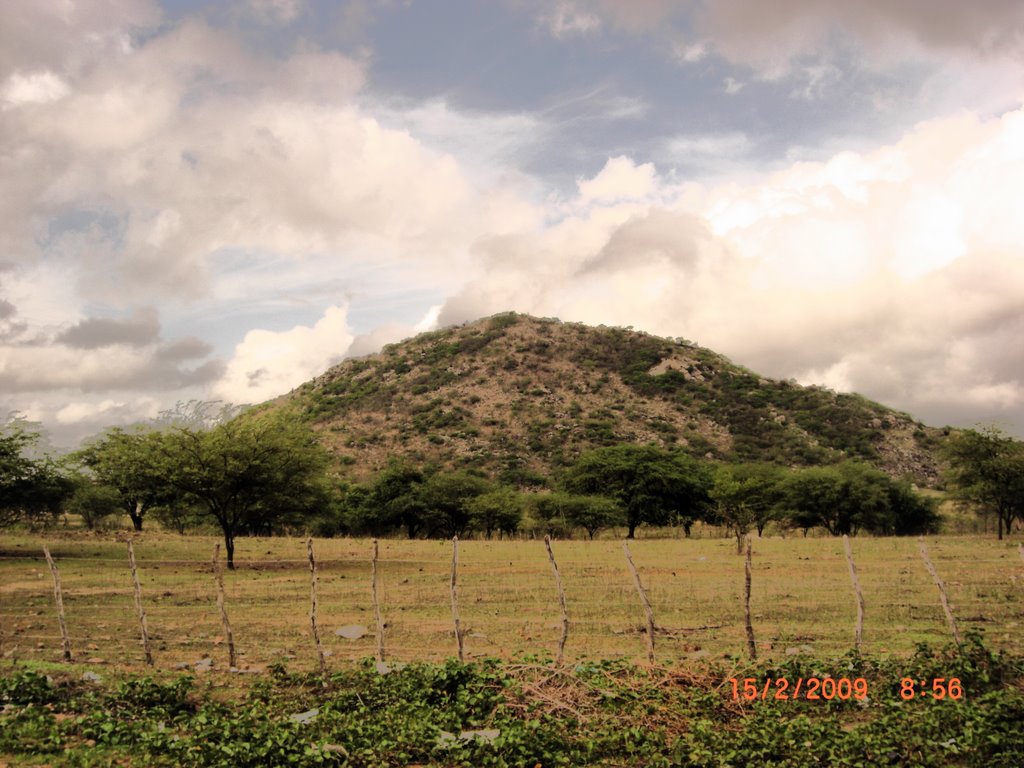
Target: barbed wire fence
x=512, y=599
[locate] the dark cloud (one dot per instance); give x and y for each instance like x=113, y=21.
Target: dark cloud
x=6, y=309
x=141, y=329
x=188, y=348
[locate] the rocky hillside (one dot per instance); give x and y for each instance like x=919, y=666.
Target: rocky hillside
x=519, y=397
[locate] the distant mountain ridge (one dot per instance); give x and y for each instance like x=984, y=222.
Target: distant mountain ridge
x=519, y=397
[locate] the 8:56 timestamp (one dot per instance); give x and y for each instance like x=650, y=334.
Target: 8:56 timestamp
x=936, y=689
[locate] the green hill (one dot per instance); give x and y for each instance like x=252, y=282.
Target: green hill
x=519, y=397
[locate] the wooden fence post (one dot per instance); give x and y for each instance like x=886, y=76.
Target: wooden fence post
x=561, y=603
x=455, y=599
x=376, y=605
x=644, y=600
x=859, y=628
x=943, y=598
x=321, y=659
x=58, y=596
x=751, y=645
x=138, y=605
x=218, y=575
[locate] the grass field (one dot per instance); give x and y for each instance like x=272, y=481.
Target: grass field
x=801, y=598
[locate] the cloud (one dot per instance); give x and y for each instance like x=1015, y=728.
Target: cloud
x=34, y=88
x=268, y=363
x=141, y=329
x=897, y=273
x=34, y=368
x=566, y=19
x=620, y=179
x=782, y=37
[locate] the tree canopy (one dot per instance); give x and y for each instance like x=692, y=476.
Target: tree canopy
x=32, y=489
x=248, y=473
x=987, y=470
x=650, y=484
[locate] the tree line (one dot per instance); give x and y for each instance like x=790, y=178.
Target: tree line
x=265, y=472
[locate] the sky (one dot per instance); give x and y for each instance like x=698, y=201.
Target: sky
x=219, y=201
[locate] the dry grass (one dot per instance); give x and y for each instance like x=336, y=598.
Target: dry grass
x=508, y=600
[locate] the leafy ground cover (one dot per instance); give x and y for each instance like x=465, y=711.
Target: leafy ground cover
x=523, y=712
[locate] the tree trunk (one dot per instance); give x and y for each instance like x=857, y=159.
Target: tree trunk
x=1000, y=516
x=632, y=530
x=229, y=548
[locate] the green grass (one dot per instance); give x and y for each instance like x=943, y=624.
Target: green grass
x=801, y=596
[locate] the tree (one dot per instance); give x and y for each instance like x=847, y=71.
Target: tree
x=987, y=469
x=592, y=513
x=497, y=510
x=32, y=490
x=249, y=473
x=396, y=499
x=650, y=484
x=446, y=499
x=854, y=496
x=131, y=463
x=747, y=496
x=93, y=502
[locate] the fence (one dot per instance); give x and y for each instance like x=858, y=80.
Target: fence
x=801, y=599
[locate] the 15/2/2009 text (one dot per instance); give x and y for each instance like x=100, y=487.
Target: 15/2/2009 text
x=805, y=688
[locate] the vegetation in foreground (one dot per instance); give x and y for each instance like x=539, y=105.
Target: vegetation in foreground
x=523, y=713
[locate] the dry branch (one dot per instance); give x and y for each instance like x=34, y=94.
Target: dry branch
x=218, y=575
x=859, y=629
x=376, y=604
x=943, y=598
x=321, y=659
x=644, y=600
x=561, y=603
x=58, y=596
x=138, y=605
x=751, y=646
x=455, y=599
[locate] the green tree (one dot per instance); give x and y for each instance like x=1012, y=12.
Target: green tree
x=446, y=499
x=250, y=473
x=93, y=502
x=497, y=510
x=131, y=463
x=650, y=484
x=986, y=468
x=852, y=496
x=747, y=496
x=592, y=513
x=32, y=489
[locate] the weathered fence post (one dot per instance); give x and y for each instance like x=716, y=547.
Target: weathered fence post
x=943, y=598
x=859, y=629
x=561, y=603
x=643, y=599
x=218, y=576
x=138, y=605
x=321, y=659
x=58, y=596
x=751, y=645
x=455, y=599
x=376, y=605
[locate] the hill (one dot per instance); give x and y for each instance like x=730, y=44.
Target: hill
x=519, y=397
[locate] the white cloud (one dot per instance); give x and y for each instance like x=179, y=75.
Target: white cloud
x=733, y=86
x=620, y=179
x=268, y=363
x=566, y=19
x=33, y=88
x=898, y=273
